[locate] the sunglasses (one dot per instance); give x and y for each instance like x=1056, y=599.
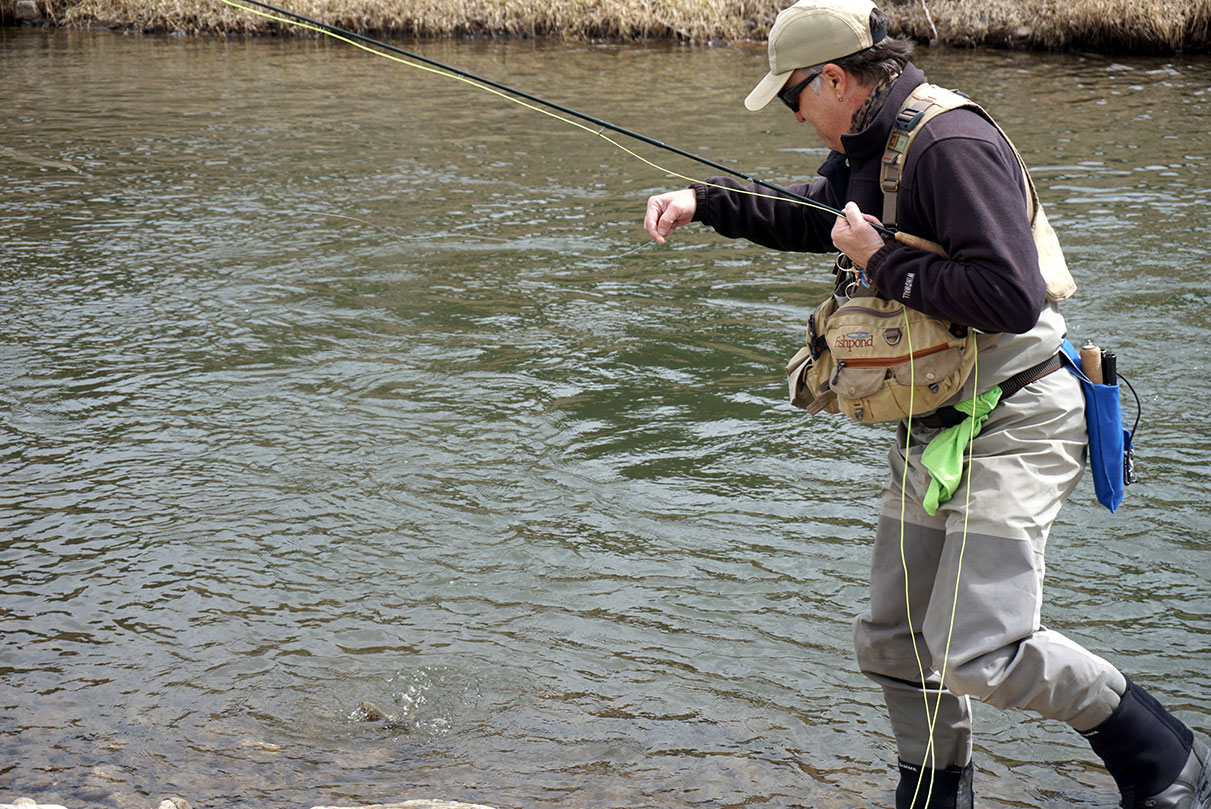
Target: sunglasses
x=790, y=96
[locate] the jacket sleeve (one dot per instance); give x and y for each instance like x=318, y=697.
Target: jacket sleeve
x=749, y=212
x=966, y=194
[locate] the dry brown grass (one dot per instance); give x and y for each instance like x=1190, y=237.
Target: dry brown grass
x=623, y=20
x=1137, y=26
x=1140, y=26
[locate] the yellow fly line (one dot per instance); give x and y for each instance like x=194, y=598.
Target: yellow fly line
x=519, y=101
x=931, y=712
x=931, y=715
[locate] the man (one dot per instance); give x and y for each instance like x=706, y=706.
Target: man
x=956, y=589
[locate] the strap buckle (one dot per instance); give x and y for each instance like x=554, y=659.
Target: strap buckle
x=908, y=118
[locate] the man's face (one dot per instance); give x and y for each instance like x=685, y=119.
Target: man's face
x=821, y=104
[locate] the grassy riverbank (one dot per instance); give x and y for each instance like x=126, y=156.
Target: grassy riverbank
x=1136, y=26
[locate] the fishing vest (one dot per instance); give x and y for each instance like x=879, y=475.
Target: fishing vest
x=922, y=104
x=877, y=360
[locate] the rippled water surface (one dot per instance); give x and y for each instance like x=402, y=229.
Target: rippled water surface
x=323, y=381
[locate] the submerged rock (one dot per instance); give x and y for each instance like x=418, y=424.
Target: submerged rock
x=174, y=803
x=259, y=744
x=369, y=712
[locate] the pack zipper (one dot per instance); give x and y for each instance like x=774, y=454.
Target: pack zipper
x=888, y=362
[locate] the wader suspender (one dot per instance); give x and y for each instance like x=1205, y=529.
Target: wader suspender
x=922, y=104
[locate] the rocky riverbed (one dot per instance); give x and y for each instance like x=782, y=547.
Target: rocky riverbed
x=182, y=803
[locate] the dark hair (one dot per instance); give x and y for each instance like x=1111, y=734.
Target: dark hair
x=880, y=61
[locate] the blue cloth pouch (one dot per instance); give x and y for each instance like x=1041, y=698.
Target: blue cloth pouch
x=1110, y=445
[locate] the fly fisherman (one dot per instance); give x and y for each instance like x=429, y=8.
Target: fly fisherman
x=966, y=623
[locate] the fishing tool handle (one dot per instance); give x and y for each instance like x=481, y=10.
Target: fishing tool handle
x=909, y=240
x=1091, y=362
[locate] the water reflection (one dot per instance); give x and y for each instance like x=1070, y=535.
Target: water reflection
x=327, y=382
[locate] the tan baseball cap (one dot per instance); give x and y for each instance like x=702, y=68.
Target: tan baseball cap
x=811, y=32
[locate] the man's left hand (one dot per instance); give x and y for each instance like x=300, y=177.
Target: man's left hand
x=854, y=236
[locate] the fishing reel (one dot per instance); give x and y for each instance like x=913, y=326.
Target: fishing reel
x=844, y=268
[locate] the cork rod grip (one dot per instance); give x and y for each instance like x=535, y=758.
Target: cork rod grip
x=909, y=240
x=1091, y=362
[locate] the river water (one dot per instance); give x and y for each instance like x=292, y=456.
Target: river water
x=324, y=380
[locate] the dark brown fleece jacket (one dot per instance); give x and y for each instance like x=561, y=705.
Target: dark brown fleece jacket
x=962, y=188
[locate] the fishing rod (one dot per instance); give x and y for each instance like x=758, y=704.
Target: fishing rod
x=354, y=37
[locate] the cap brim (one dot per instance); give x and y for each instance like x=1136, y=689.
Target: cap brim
x=766, y=89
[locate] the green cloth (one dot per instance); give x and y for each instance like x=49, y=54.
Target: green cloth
x=943, y=456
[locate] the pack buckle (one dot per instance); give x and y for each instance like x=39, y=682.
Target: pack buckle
x=908, y=119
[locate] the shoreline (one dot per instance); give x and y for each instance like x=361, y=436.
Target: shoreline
x=1134, y=27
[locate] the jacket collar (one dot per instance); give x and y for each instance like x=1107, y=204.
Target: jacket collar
x=872, y=141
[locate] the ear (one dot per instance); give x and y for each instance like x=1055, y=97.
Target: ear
x=834, y=80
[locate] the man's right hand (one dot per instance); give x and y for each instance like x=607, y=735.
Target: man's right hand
x=667, y=212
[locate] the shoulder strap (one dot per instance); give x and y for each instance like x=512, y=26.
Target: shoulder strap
x=924, y=103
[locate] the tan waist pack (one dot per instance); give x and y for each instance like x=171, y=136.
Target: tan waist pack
x=877, y=360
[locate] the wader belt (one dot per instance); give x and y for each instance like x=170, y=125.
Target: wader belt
x=948, y=416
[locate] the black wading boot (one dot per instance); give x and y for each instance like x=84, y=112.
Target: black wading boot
x=951, y=788
x=1153, y=757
